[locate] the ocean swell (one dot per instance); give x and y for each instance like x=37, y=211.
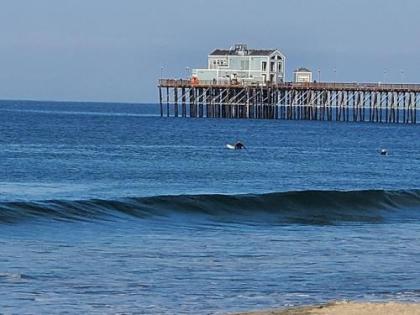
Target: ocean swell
x=299, y=207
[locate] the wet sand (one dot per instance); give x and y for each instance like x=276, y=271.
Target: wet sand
x=347, y=308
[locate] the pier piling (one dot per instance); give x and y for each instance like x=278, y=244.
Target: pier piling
x=346, y=102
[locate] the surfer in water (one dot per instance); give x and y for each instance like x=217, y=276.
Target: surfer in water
x=237, y=146
x=384, y=152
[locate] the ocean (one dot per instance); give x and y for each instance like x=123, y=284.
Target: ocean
x=111, y=209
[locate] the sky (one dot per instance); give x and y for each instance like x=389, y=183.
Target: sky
x=115, y=51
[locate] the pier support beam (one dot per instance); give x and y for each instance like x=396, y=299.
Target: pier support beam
x=314, y=101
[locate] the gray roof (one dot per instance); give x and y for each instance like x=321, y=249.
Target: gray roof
x=249, y=52
x=303, y=70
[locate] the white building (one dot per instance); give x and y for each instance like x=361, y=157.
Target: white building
x=243, y=66
x=302, y=75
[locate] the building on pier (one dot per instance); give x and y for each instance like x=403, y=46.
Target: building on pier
x=243, y=66
x=302, y=75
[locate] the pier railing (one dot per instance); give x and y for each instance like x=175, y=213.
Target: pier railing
x=373, y=102
x=173, y=83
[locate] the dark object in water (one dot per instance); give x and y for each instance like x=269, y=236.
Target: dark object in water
x=237, y=146
x=384, y=152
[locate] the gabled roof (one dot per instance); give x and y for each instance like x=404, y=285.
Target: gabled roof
x=249, y=52
x=303, y=70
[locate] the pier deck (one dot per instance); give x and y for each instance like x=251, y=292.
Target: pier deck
x=369, y=102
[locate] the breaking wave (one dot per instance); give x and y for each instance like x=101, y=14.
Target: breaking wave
x=300, y=207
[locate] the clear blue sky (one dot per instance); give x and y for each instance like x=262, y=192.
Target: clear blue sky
x=109, y=50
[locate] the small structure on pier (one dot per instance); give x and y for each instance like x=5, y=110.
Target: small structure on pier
x=302, y=75
x=240, y=65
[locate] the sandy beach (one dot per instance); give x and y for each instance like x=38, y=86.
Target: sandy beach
x=347, y=308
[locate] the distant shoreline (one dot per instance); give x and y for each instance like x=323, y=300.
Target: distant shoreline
x=24, y=100
x=346, y=308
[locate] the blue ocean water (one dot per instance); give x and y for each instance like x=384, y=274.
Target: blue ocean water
x=110, y=209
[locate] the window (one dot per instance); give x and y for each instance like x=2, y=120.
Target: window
x=280, y=67
x=221, y=62
x=264, y=66
x=244, y=64
x=272, y=66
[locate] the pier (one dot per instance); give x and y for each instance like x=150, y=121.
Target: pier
x=350, y=102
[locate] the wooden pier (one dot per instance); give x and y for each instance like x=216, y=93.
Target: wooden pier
x=367, y=102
